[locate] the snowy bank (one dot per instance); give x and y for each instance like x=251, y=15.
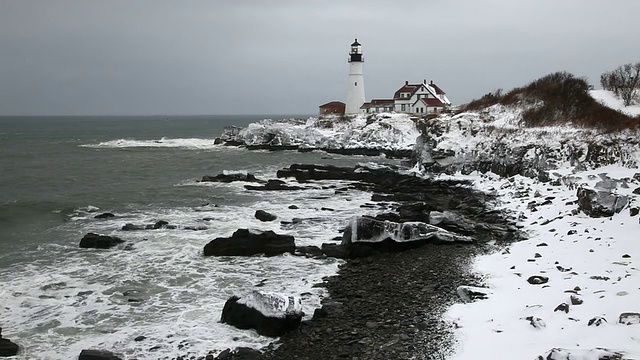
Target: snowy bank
x=494, y=139
x=589, y=270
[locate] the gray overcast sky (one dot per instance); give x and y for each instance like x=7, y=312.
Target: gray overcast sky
x=60, y=57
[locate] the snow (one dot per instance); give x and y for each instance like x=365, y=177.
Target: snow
x=580, y=253
x=386, y=130
x=609, y=99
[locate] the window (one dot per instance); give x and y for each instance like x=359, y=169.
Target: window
x=402, y=107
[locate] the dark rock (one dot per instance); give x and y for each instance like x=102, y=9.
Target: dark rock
x=95, y=241
x=537, y=280
x=309, y=251
x=160, y=224
x=626, y=256
x=227, y=178
x=264, y=216
x=562, y=307
x=133, y=227
x=246, y=242
x=293, y=207
x=542, y=244
x=7, y=347
x=598, y=277
x=567, y=354
x=139, y=338
x=98, y=355
x=273, y=185
x=572, y=232
x=576, y=300
x=597, y=321
x=629, y=318
x=636, y=191
x=104, y=215
x=241, y=353
x=634, y=211
x=335, y=250
x=469, y=294
x=269, y=314
x=600, y=203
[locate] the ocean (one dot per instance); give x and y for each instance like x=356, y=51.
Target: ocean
x=58, y=173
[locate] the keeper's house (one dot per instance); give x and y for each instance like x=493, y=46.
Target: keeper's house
x=424, y=98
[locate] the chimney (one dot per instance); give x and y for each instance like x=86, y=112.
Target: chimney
x=406, y=82
x=431, y=82
x=424, y=81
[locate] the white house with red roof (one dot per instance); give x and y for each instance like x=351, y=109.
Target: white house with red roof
x=423, y=98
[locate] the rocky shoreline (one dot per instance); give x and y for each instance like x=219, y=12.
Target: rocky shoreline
x=390, y=305
x=385, y=306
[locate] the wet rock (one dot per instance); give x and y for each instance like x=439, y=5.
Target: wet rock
x=600, y=203
x=274, y=185
x=537, y=280
x=98, y=355
x=133, y=227
x=105, y=215
x=95, y=241
x=241, y=353
x=231, y=177
x=246, y=242
x=269, y=314
x=309, y=251
x=264, y=216
x=596, y=321
x=629, y=318
x=160, y=224
x=7, y=347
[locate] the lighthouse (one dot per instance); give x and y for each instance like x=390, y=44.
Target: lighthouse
x=355, y=94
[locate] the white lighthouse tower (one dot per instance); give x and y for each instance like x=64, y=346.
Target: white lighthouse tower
x=355, y=94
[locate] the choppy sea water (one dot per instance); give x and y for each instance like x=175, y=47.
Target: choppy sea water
x=57, y=173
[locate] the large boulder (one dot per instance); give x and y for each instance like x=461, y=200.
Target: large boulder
x=7, y=347
x=98, y=355
x=270, y=314
x=365, y=236
x=246, y=242
x=95, y=241
x=600, y=203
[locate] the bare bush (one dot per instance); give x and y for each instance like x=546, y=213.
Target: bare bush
x=623, y=81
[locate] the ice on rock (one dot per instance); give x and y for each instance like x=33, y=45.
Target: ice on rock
x=369, y=230
x=272, y=304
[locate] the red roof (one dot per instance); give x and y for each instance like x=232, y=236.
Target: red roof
x=432, y=102
x=377, y=103
x=437, y=89
x=410, y=88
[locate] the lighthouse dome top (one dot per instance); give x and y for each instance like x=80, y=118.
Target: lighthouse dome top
x=356, y=43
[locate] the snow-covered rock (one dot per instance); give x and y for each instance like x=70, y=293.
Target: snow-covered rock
x=270, y=314
x=377, y=131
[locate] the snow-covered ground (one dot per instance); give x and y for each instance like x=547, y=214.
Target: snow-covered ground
x=608, y=99
x=592, y=265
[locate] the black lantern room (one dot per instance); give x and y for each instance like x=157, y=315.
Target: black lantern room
x=356, y=52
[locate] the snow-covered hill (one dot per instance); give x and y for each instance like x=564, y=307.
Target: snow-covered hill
x=608, y=99
x=494, y=139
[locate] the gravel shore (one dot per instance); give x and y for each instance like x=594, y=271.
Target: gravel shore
x=386, y=306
